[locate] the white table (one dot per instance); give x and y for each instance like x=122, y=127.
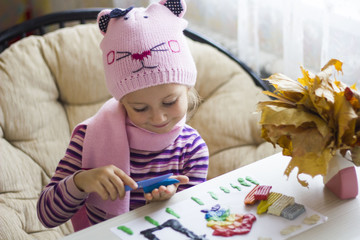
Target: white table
x=343, y=215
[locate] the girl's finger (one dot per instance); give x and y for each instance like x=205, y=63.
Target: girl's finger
x=118, y=185
x=182, y=178
x=110, y=188
x=148, y=197
x=125, y=178
x=99, y=189
x=155, y=193
x=164, y=189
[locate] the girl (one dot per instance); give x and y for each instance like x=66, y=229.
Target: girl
x=138, y=134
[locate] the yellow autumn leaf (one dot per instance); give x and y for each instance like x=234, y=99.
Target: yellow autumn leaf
x=311, y=164
x=286, y=87
x=345, y=117
x=307, y=80
x=333, y=62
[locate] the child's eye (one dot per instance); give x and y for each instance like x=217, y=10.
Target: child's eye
x=169, y=103
x=140, y=109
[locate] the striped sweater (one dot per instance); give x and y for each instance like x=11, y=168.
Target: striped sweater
x=61, y=199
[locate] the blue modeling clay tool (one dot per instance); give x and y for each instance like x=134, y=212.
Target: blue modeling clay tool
x=150, y=184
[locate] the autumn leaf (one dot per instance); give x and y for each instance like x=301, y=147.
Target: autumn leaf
x=333, y=62
x=311, y=164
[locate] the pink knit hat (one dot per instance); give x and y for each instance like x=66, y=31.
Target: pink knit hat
x=145, y=47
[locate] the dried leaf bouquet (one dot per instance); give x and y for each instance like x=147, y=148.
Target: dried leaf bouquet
x=312, y=118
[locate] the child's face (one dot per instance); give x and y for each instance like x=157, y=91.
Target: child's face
x=157, y=109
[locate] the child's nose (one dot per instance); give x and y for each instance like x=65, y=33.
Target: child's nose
x=159, y=116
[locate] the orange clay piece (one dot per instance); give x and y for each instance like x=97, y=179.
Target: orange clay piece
x=250, y=198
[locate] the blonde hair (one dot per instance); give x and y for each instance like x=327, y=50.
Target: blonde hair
x=194, y=101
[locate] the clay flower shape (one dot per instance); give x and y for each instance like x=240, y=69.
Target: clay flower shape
x=312, y=118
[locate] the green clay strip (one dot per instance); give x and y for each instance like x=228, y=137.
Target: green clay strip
x=252, y=180
x=126, y=230
x=213, y=195
x=225, y=190
x=152, y=221
x=170, y=211
x=243, y=182
x=197, y=200
x=235, y=186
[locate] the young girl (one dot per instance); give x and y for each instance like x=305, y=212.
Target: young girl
x=138, y=134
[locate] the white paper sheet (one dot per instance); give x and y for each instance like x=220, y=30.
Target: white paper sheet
x=191, y=217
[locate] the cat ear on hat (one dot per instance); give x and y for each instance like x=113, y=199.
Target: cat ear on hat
x=103, y=20
x=178, y=7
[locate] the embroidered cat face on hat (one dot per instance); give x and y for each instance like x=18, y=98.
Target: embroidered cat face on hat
x=145, y=47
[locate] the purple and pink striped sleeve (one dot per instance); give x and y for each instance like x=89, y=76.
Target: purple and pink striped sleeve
x=61, y=199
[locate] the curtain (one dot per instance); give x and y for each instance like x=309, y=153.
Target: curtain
x=280, y=35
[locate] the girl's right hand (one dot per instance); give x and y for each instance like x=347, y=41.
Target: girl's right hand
x=107, y=181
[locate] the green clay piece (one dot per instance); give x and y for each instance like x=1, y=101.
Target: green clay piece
x=126, y=230
x=252, y=180
x=243, y=182
x=225, y=190
x=170, y=211
x=197, y=200
x=235, y=186
x=152, y=221
x=213, y=195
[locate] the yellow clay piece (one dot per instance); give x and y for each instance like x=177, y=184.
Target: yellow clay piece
x=265, y=204
x=279, y=205
x=218, y=223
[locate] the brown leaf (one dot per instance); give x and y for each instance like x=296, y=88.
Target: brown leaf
x=278, y=115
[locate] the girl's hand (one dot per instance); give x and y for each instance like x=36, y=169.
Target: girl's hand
x=107, y=181
x=166, y=192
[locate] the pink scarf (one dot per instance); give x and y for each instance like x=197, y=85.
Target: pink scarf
x=109, y=137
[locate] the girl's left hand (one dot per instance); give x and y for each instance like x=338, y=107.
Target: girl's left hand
x=166, y=192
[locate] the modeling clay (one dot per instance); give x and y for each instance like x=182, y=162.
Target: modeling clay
x=224, y=189
x=241, y=226
x=152, y=221
x=213, y=195
x=290, y=229
x=265, y=204
x=219, y=215
x=175, y=225
x=216, y=207
x=197, y=200
x=279, y=205
x=126, y=230
x=293, y=211
x=243, y=182
x=229, y=220
x=250, y=198
x=226, y=224
x=252, y=180
x=235, y=186
x=262, y=192
x=170, y=211
x=312, y=219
